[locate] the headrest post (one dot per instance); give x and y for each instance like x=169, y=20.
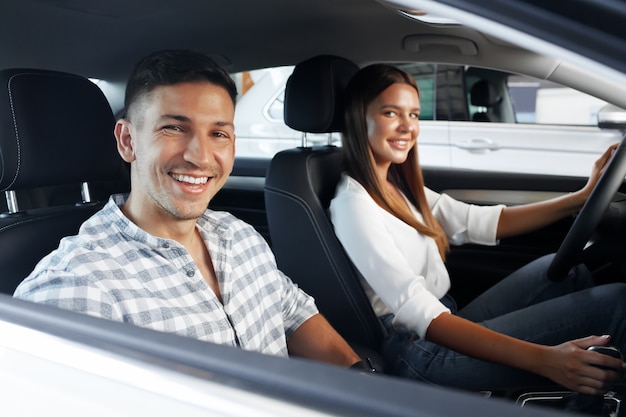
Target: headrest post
x=330, y=139
x=305, y=140
x=84, y=190
x=11, y=198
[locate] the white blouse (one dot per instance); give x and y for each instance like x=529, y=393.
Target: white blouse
x=402, y=269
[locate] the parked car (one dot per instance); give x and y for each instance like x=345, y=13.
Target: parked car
x=58, y=362
x=533, y=126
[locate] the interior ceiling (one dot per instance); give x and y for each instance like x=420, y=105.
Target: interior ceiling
x=104, y=38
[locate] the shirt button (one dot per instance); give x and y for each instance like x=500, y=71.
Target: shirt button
x=191, y=272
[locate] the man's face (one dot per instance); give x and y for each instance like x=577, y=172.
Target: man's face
x=181, y=143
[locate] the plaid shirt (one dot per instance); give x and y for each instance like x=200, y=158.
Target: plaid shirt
x=115, y=270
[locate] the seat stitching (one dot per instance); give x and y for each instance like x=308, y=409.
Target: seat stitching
x=17, y=135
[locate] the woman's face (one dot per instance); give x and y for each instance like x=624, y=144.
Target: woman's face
x=393, y=124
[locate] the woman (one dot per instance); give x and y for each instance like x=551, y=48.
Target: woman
x=396, y=231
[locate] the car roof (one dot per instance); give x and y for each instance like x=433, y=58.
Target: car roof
x=240, y=34
x=103, y=39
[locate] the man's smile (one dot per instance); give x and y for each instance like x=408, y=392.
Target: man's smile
x=189, y=179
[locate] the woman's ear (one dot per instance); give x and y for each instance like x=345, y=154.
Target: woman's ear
x=124, y=138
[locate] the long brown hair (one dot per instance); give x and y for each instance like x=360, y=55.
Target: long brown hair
x=363, y=88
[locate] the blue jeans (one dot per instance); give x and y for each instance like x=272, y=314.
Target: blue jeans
x=525, y=305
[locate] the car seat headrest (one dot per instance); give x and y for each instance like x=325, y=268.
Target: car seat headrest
x=314, y=94
x=482, y=94
x=55, y=128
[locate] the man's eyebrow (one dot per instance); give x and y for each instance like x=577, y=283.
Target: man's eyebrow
x=180, y=118
x=225, y=124
x=186, y=119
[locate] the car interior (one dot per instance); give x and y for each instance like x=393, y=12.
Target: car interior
x=59, y=165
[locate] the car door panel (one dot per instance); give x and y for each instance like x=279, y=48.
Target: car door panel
x=473, y=268
x=506, y=147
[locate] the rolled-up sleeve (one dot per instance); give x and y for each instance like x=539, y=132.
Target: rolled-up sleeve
x=465, y=223
x=297, y=306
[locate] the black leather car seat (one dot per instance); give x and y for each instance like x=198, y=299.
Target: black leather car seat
x=56, y=139
x=483, y=95
x=299, y=186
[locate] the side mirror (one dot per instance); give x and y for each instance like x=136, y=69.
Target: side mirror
x=612, y=117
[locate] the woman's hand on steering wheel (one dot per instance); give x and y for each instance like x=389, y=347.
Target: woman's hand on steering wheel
x=596, y=172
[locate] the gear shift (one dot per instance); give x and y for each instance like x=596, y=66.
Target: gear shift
x=593, y=404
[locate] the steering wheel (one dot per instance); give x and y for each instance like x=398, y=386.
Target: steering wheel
x=589, y=216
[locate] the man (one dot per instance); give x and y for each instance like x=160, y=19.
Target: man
x=158, y=258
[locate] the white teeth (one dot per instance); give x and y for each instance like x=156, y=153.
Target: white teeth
x=189, y=179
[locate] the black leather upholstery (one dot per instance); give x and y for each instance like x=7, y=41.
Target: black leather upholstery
x=313, y=94
x=56, y=131
x=299, y=186
x=55, y=128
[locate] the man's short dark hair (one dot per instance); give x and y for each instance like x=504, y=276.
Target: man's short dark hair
x=170, y=67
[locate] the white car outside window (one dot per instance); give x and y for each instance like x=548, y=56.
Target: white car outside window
x=534, y=127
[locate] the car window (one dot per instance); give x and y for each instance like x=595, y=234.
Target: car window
x=544, y=102
x=523, y=125
x=276, y=107
x=442, y=90
x=265, y=88
x=531, y=122
x=259, y=122
x=532, y=101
